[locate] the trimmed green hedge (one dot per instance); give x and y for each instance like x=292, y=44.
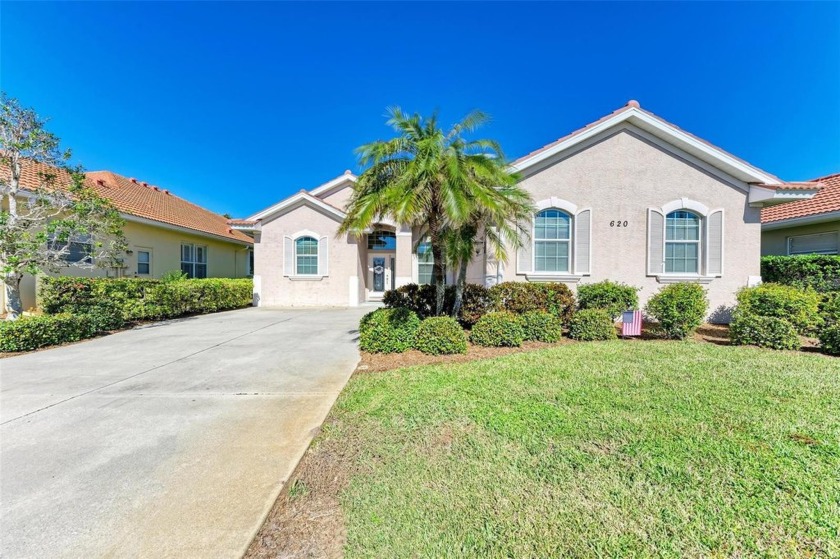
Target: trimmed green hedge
x=610, y=296
x=830, y=339
x=762, y=331
x=522, y=297
x=679, y=309
x=142, y=299
x=33, y=332
x=818, y=271
x=441, y=335
x=592, y=324
x=388, y=330
x=800, y=307
x=541, y=326
x=498, y=329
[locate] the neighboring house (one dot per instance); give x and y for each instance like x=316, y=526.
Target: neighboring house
x=164, y=233
x=629, y=198
x=805, y=227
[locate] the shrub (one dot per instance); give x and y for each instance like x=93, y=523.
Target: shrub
x=612, y=297
x=797, y=306
x=419, y=299
x=592, y=324
x=498, y=329
x=33, y=332
x=388, y=330
x=441, y=335
x=763, y=331
x=830, y=339
x=521, y=297
x=679, y=309
x=817, y=271
x=830, y=308
x=104, y=316
x=140, y=299
x=476, y=303
x=541, y=326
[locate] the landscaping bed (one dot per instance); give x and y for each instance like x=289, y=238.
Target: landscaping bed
x=676, y=449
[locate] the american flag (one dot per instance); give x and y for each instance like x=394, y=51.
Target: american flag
x=631, y=323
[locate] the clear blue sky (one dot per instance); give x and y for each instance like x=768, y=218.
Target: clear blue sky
x=234, y=106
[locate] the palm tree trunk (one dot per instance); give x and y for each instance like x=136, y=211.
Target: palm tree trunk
x=459, y=288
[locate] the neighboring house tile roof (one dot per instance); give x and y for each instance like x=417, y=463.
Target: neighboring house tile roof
x=827, y=200
x=139, y=199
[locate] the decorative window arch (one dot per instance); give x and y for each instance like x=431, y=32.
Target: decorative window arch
x=683, y=242
x=560, y=245
x=306, y=256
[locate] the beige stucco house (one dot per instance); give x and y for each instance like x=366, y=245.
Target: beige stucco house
x=807, y=226
x=164, y=233
x=630, y=198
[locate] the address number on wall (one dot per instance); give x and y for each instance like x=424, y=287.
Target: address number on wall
x=618, y=223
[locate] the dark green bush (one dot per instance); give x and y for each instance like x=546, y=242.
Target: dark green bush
x=817, y=271
x=388, y=330
x=441, y=335
x=419, y=299
x=800, y=307
x=33, y=332
x=612, y=297
x=498, y=329
x=521, y=297
x=476, y=303
x=142, y=299
x=104, y=316
x=541, y=326
x=763, y=331
x=830, y=339
x=679, y=309
x=592, y=324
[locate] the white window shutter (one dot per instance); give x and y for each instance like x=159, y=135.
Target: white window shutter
x=524, y=254
x=288, y=256
x=324, y=256
x=656, y=242
x=583, y=241
x=714, y=250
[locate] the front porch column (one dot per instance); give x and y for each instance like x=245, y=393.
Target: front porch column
x=404, y=257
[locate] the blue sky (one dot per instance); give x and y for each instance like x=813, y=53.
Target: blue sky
x=236, y=105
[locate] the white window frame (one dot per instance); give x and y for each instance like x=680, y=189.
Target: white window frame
x=703, y=212
x=699, y=242
x=316, y=255
x=418, y=263
x=137, y=251
x=789, y=242
x=569, y=243
x=193, y=262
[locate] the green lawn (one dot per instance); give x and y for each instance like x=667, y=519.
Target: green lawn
x=609, y=449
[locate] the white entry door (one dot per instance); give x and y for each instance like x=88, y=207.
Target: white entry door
x=380, y=272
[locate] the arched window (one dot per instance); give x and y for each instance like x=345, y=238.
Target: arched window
x=682, y=242
x=306, y=256
x=552, y=241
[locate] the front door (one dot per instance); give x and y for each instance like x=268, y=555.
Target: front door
x=380, y=273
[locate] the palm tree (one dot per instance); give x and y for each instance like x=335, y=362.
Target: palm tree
x=428, y=178
x=500, y=223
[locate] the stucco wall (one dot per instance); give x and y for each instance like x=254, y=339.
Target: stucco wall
x=620, y=177
x=339, y=198
x=224, y=260
x=275, y=289
x=775, y=241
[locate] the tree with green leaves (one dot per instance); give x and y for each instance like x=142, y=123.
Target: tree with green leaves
x=434, y=180
x=53, y=221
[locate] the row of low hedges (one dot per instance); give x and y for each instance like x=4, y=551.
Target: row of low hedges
x=33, y=332
x=141, y=299
x=817, y=271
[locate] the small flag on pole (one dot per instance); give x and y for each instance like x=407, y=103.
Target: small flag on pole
x=631, y=323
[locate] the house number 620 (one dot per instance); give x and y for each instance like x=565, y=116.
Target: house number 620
x=618, y=223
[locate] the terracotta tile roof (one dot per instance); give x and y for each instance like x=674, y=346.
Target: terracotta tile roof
x=825, y=201
x=633, y=104
x=139, y=199
x=235, y=222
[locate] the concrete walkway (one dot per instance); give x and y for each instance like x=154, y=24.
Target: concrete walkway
x=169, y=440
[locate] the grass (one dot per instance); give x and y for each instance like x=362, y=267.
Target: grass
x=605, y=449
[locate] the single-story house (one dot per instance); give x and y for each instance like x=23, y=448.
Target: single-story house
x=630, y=198
x=164, y=233
x=807, y=226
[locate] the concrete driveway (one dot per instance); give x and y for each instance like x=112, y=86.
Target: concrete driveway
x=169, y=440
